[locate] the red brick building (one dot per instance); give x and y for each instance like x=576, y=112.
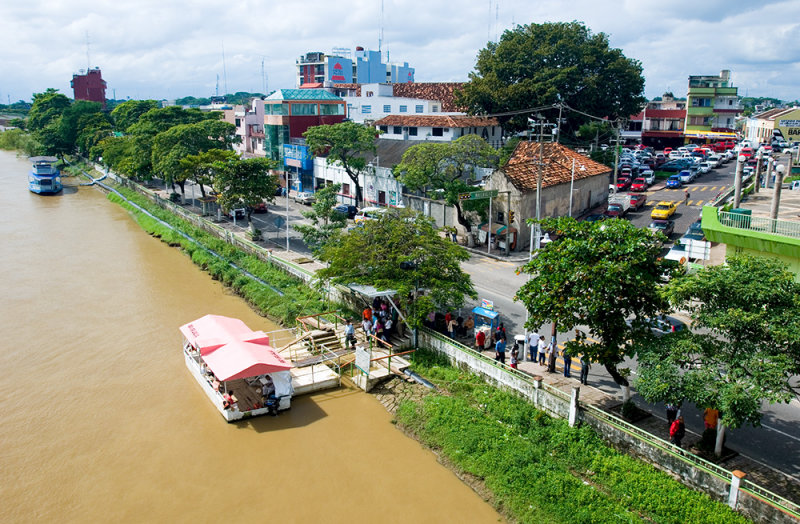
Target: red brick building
x=89, y=86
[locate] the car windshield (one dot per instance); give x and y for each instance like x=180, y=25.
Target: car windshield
x=659, y=225
x=663, y=207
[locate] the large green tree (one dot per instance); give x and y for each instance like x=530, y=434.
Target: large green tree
x=375, y=254
x=46, y=109
x=598, y=275
x=180, y=141
x=326, y=222
x=346, y=144
x=200, y=167
x=447, y=168
x=246, y=183
x=541, y=64
x=127, y=113
x=744, y=347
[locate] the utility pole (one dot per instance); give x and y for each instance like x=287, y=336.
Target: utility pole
x=616, y=157
x=558, y=124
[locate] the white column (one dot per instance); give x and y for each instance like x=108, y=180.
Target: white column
x=573, y=406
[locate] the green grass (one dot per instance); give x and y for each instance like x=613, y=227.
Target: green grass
x=298, y=299
x=537, y=467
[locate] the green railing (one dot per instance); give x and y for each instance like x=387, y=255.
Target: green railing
x=721, y=473
x=760, y=224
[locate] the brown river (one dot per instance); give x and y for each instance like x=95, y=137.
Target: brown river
x=101, y=422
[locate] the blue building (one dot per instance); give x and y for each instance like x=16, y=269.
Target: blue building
x=343, y=67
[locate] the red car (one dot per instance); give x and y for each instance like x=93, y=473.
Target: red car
x=637, y=201
x=667, y=151
x=640, y=184
x=623, y=183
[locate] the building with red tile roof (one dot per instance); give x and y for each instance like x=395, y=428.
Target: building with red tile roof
x=439, y=128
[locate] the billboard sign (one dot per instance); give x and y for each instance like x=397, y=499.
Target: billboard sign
x=340, y=70
x=297, y=156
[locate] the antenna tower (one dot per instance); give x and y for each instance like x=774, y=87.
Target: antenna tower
x=380, y=31
x=496, y=20
x=216, y=91
x=88, y=62
x=224, y=71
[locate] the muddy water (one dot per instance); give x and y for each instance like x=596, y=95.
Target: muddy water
x=100, y=421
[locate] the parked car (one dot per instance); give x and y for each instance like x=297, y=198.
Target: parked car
x=623, y=183
x=615, y=211
x=663, y=324
x=347, y=210
x=705, y=167
x=304, y=197
x=665, y=227
x=637, y=201
x=639, y=185
x=675, y=165
x=369, y=213
x=663, y=210
x=261, y=207
x=674, y=182
x=594, y=218
x=649, y=176
x=674, y=155
x=687, y=176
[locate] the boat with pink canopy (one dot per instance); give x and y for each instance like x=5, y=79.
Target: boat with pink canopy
x=237, y=367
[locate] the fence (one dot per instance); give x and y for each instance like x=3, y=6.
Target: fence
x=760, y=224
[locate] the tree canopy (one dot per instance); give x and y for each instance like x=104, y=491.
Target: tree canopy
x=326, y=222
x=373, y=253
x=744, y=346
x=127, y=113
x=598, y=275
x=540, y=64
x=245, y=182
x=447, y=168
x=346, y=144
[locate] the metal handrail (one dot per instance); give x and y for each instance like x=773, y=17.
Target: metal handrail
x=760, y=224
x=769, y=497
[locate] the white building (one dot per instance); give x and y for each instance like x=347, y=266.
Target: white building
x=439, y=128
x=249, y=124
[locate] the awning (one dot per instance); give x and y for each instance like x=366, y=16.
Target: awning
x=709, y=134
x=497, y=228
x=371, y=291
x=211, y=332
x=485, y=312
x=240, y=359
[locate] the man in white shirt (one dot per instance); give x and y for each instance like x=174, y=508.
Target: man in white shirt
x=533, y=345
x=542, y=349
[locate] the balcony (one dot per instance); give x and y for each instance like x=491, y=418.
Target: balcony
x=756, y=234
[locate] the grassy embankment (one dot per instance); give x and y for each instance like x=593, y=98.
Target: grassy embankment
x=537, y=468
x=298, y=299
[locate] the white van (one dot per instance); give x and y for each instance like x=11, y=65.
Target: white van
x=369, y=213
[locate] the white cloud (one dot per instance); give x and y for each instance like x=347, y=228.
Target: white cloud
x=150, y=49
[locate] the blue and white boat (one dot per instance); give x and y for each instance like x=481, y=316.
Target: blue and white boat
x=44, y=176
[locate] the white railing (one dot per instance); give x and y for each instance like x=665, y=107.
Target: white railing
x=760, y=224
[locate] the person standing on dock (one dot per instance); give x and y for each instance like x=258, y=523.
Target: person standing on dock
x=349, y=334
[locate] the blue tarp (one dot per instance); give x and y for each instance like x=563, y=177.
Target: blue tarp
x=486, y=313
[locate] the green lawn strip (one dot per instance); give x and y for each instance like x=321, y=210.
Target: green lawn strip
x=298, y=298
x=539, y=468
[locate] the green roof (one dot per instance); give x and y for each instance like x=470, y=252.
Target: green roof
x=302, y=94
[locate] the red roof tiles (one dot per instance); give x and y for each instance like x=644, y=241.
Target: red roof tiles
x=522, y=169
x=441, y=91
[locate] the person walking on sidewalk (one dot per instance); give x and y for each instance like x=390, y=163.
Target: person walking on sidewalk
x=672, y=414
x=551, y=357
x=533, y=345
x=686, y=197
x=542, y=351
x=585, y=365
x=677, y=431
x=567, y=363
x=500, y=351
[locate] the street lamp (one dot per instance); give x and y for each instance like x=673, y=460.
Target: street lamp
x=737, y=195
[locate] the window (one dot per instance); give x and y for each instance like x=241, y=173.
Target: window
x=384, y=129
x=331, y=109
x=365, y=109
x=369, y=93
x=730, y=101
x=345, y=189
x=434, y=108
x=397, y=130
x=437, y=131
x=387, y=108
x=404, y=109
x=418, y=109
x=304, y=109
x=412, y=131
x=238, y=122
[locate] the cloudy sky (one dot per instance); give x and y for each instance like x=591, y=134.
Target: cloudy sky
x=164, y=49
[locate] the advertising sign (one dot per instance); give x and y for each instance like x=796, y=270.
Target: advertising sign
x=340, y=70
x=296, y=156
x=363, y=356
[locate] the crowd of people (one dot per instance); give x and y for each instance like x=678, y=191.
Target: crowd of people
x=379, y=320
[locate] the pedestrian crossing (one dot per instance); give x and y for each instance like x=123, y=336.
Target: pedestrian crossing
x=699, y=189
x=689, y=203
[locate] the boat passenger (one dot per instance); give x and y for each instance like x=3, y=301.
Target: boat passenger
x=229, y=401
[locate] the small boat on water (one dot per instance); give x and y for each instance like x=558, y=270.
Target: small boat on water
x=44, y=176
x=238, y=369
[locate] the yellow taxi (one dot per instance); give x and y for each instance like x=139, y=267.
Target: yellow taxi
x=663, y=210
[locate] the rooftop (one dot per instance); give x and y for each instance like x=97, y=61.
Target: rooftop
x=522, y=169
x=441, y=91
x=437, y=121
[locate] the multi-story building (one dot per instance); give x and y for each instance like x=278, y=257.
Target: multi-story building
x=711, y=108
x=288, y=113
x=249, y=122
x=774, y=124
x=662, y=122
x=89, y=86
x=440, y=128
x=342, y=67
